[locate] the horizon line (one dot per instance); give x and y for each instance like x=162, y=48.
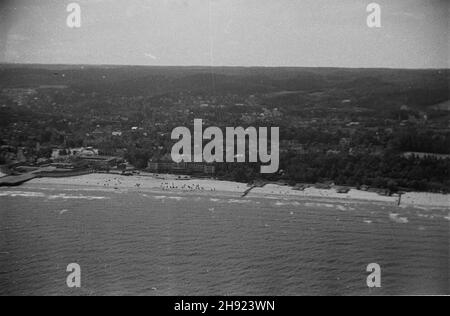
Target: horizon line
x=216, y=66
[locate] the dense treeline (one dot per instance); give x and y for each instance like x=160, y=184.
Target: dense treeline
x=385, y=170
x=389, y=171
x=424, y=142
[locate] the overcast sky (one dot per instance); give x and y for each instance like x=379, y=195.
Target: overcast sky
x=312, y=33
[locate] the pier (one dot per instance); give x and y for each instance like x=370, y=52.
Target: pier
x=13, y=181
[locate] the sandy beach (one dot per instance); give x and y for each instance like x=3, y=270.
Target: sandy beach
x=171, y=183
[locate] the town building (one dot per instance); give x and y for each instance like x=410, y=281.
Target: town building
x=182, y=168
x=100, y=162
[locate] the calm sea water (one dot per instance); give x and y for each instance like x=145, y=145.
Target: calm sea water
x=137, y=243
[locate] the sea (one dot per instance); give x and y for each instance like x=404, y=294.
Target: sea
x=156, y=243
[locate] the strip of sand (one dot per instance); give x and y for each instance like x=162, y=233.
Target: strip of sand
x=171, y=183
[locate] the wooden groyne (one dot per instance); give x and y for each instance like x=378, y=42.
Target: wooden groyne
x=247, y=192
x=12, y=181
x=258, y=184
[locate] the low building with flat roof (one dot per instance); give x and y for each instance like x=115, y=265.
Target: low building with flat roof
x=100, y=162
x=182, y=168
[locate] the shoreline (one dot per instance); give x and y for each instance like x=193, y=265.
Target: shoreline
x=170, y=184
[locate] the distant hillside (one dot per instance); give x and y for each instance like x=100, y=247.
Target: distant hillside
x=372, y=88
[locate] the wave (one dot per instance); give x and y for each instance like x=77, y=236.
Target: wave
x=293, y=203
x=429, y=216
x=31, y=194
x=233, y=201
x=319, y=205
x=23, y=194
x=176, y=198
x=397, y=219
x=77, y=189
x=328, y=205
x=164, y=197
x=76, y=197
